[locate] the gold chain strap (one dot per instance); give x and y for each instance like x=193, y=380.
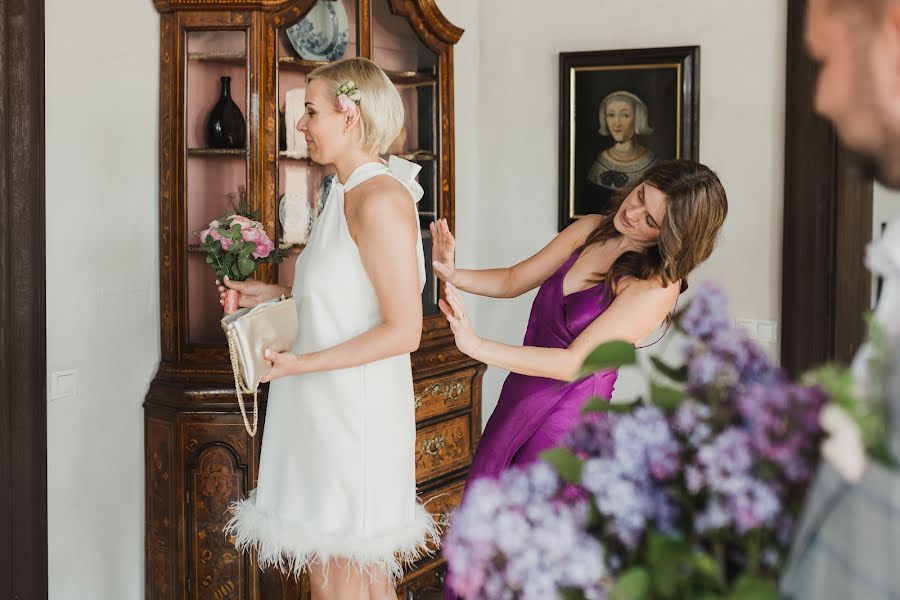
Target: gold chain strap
x=239, y=386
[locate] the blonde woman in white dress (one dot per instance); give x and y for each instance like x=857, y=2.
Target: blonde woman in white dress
x=336, y=494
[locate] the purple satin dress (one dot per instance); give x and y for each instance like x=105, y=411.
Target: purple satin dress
x=534, y=413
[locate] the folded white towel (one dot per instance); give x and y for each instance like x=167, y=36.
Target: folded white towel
x=294, y=210
x=294, y=109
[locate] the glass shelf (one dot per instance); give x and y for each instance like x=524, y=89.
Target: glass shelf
x=301, y=65
x=240, y=152
x=223, y=57
x=417, y=155
x=405, y=79
x=283, y=155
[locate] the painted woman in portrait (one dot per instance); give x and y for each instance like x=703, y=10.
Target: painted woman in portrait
x=623, y=116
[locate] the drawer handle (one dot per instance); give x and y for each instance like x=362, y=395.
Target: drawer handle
x=450, y=392
x=433, y=446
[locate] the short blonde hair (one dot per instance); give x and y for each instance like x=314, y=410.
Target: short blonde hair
x=380, y=106
x=641, y=123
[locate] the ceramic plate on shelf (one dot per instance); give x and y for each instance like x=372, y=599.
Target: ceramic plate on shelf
x=323, y=34
x=322, y=196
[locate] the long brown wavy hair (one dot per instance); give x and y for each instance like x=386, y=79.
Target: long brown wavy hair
x=695, y=210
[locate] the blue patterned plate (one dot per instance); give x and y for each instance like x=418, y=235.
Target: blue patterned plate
x=324, y=32
x=324, y=190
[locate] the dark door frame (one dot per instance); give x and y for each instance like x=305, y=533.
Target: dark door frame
x=827, y=225
x=23, y=323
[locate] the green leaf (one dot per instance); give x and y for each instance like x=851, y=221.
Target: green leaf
x=753, y=588
x=633, y=584
x=571, y=594
x=605, y=406
x=706, y=566
x=595, y=517
x=610, y=355
x=671, y=562
x=565, y=462
x=209, y=260
x=665, y=397
x=678, y=375
x=246, y=265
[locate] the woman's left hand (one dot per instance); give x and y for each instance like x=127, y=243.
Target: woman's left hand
x=455, y=311
x=283, y=364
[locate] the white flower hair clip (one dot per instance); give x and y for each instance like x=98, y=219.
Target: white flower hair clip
x=348, y=97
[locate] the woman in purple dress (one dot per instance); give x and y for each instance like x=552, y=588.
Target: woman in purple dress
x=605, y=277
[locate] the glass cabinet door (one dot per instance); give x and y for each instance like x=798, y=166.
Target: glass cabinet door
x=413, y=68
x=216, y=171
x=328, y=32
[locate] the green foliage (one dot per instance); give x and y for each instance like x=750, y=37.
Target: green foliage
x=565, y=462
x=610, y=355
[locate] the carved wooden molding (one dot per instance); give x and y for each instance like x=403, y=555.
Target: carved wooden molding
x=165, y=6
x=429, y=22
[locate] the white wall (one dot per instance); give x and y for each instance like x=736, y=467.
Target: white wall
x=102, y=82
x=741, y=134
x=469, y=196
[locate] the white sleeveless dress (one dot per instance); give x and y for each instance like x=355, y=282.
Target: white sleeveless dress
x=337, y=466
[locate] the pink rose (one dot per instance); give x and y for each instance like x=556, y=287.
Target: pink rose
x=264, y=245
x=244, y=222
x=226, y=241
x=345, y=104
x=213, y=226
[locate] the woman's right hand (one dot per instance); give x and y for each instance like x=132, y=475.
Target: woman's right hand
x=251, y=291
x=443, y=250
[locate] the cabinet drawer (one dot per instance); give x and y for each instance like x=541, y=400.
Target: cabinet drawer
x=435, y=397
x=443, y=448
x=442, y=502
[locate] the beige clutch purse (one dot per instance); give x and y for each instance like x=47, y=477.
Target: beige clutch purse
x=251, y=331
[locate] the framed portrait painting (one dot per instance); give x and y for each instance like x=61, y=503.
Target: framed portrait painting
x=621, y=112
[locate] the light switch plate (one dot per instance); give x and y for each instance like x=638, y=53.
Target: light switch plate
x=63, y=384
x=763, y=332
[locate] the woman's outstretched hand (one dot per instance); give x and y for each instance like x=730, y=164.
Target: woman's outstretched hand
x=443, y=250
x=455, y=311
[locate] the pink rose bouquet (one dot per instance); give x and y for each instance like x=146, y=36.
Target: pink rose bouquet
x=235, y=244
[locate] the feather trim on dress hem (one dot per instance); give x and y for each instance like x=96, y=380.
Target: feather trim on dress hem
x=291, y=548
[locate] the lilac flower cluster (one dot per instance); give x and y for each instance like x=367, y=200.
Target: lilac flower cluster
x=730, y=459
x=721, y=359
x=632, y=455
x=518, y=537
x=783, y=425
x=738, y=499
